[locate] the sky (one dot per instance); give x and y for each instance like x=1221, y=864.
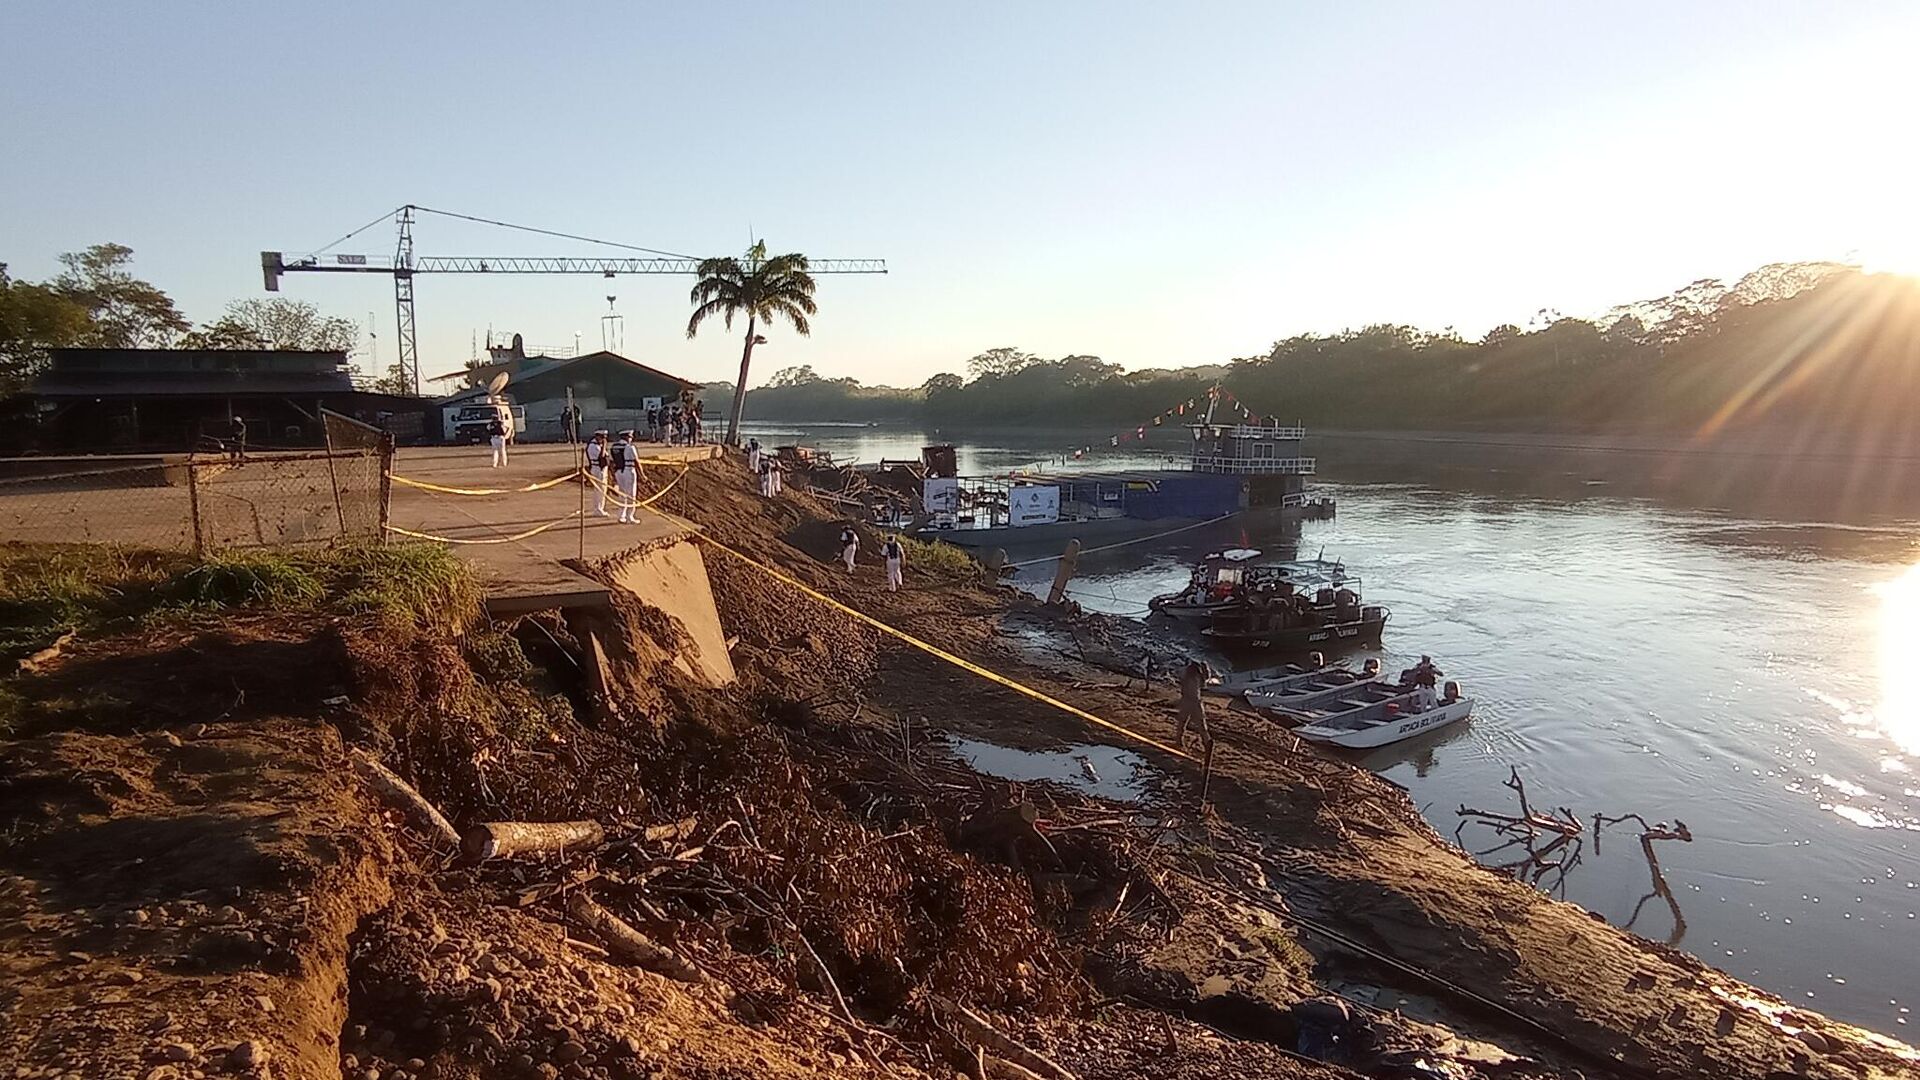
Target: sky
x=1159, y=185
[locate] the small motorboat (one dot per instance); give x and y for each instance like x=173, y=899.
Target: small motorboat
x=1378, y=720
x=1326, y=684
x=1227, y=582
x=1235, y=683
x=1215, y=585
x=1291, y=628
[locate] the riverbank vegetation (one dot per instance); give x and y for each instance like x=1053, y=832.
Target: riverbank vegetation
x=1801, y=344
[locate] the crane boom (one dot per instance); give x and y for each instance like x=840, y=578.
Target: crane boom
x=275, y=263
x=404, y=264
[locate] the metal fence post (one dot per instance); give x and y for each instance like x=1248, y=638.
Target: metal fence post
x=193, y=504
x=333, y=477
x=386, y=483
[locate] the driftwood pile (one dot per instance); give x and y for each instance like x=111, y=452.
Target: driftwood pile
x=1541, y=848
x=1107, y=871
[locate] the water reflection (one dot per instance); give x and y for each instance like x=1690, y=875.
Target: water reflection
x=1681, y=641
x=1899, y=712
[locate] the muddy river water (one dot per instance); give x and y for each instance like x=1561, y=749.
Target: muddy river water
x=1733, y=641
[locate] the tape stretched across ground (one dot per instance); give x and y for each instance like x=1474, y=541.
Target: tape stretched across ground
x=935, y=650
x=535, y=531
x=539, y=486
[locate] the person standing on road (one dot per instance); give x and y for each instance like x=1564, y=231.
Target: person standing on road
x=597, y=471
x=896, y=555
x=237, y=440
x=497, y=435
x=1192, y=709
x=849, y=546
x=626, y=477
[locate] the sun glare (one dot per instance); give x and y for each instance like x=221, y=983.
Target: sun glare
x=1899, y=712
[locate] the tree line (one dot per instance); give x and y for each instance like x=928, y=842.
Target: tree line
x=97, y=302
x=1820, y=344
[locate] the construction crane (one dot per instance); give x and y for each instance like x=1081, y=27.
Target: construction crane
x=404, y=264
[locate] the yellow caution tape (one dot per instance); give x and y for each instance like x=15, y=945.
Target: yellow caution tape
x=540, y=486
x=618, y=499
x=935, y=650
x=490, y=540
x=424, y=486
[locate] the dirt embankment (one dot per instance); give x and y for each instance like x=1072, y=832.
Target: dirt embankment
x=195, y=881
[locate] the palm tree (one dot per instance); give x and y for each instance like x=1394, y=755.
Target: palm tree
x=759, y=288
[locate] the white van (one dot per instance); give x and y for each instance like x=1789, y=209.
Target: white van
x=469, y=422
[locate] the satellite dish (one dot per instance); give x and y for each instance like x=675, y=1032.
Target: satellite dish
x=497, y=384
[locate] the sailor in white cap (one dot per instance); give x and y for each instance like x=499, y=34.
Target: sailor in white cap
x=597, y=470
x=896, y=555
x=626, y=476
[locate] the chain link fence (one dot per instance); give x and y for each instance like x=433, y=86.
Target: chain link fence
x=208, y=503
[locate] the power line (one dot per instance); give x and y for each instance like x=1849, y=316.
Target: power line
x=383, y=217
x=550, y=232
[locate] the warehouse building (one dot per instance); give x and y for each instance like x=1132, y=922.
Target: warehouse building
x=170, y=400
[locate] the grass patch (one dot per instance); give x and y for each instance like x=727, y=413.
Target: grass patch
x=49, y=589
x=938, y=556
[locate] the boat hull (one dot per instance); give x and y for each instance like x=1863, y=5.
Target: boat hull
x=1284, y=700
x=1303, y=638
x=1090, y=533
x=1385, y=734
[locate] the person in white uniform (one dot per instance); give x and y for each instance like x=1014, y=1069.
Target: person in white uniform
x=497, y=435
x=849, y=546
x=753, y=456
x=597, y=470
x=626, y=477
x=896, y=555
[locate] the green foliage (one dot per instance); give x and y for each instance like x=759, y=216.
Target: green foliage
x=938, y=557
x=1813, y=344
x=49, y=589
x=123, y=311
x=761, y=288
x=247, y=579
x=794, y=376
x=275, y=323
x=33, y=319
x=96, y=302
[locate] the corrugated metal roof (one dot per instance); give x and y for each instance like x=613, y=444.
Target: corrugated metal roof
x=192, y=384
x=603, y=355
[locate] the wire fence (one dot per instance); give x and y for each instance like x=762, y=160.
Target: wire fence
x=206, y=503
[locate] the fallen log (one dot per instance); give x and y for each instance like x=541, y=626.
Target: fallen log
x=634, y=945
x=497, y=838
x=978, y=1030
x=424, y=814
x=1006, y=1070
x=42, y=657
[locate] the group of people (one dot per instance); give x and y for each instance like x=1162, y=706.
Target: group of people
x=766, y=468
x=892, y=551
x=677, y=424
x=618, y=460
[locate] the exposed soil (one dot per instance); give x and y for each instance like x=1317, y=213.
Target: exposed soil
x=194, y=880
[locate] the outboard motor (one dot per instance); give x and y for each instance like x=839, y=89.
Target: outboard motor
x=1371, y=669
x=1451, y=690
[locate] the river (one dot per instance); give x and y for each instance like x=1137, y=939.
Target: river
x=1730, y=641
